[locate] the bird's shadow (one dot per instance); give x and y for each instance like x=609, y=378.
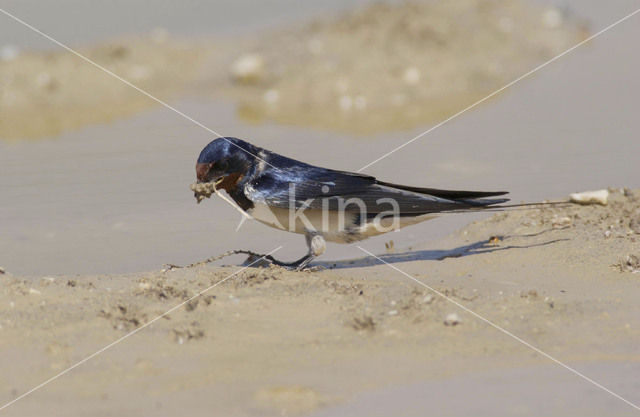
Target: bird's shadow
x=494, y=244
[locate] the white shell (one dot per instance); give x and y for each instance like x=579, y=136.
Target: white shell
x=590, y=197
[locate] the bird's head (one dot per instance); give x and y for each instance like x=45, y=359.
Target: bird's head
x=225, y=161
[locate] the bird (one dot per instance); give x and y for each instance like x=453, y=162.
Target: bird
x=322, y=204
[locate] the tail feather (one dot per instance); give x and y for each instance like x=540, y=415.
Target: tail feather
x=456, y=195
x=482, y=202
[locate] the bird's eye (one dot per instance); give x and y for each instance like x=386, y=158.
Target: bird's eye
x=221, y=165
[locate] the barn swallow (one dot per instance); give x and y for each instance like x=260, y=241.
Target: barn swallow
x=321, y=203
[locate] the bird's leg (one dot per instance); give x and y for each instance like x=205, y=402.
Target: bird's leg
x=316, y=245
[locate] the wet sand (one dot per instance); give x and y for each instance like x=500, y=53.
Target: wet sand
x=85, y=212
x=358, y=339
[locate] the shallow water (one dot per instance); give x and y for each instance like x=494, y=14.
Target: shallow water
x=545, y=390
x=85, y=22
x=114, y=198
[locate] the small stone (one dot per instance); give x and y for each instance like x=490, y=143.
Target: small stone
x=452, y=320
x=393, y=312
x=248, y=69
x=561, y=222
x=33, y=291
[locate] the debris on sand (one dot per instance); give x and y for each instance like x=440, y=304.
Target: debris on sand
x=363, y=323
x=185, y=333
x=390, y=247
x=630, y=264
x=248, y=69
x=494, y=240
x=561, y=222
x=590, y=197
x=123, y=317
x=452, y=319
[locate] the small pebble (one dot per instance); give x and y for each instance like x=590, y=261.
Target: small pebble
x=248, y=69
x=393, y=312
x=452, y=320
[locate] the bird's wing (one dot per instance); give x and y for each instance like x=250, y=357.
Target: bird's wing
x=319, y=188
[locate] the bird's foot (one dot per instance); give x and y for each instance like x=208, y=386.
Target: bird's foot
x=254, y=259
x=267, y=260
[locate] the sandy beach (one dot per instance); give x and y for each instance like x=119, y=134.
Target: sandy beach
x=474, y=314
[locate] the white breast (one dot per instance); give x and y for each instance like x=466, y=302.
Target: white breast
x=332, y=225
